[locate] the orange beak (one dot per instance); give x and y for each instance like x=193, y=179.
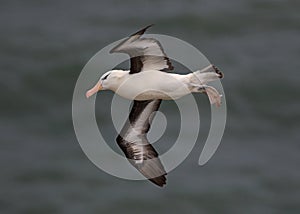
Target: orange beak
x=95, y=89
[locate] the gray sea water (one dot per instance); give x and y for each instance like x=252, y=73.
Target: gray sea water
x=45, y=44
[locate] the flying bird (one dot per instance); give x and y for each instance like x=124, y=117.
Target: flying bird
x=147, y=83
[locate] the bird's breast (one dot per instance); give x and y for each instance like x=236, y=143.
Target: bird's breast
x=148, y=85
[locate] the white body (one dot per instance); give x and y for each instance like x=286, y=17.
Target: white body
x=152, y=84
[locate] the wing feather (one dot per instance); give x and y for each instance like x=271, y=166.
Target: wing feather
x=133, y=142
x=145, y=53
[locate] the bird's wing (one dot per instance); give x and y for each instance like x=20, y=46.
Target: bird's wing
x=135, y=145
x=145, y=53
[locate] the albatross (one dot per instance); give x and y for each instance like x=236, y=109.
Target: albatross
x=147, y=83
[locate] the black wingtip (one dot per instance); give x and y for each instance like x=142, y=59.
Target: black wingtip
x=142, y=31
x=160, y=180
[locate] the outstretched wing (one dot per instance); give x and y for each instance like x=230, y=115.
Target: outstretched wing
x=135, y=145
x=145, y=53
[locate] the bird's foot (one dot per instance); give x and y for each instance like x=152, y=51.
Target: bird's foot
x=213, y=95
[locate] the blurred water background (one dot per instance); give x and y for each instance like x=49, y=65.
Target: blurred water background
x=45, y=44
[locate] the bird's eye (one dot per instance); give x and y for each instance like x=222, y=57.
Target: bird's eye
x=105, y=77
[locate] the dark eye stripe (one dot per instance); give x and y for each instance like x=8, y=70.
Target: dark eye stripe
x=104, y=78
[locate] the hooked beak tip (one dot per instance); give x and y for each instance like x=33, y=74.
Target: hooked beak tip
x=88, y=94
x=93, y=90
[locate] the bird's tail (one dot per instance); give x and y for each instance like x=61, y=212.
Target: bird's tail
x=199, y=79
x=206, y=75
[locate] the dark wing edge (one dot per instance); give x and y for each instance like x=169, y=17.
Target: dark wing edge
x=151, y=167
x=142, y=156
x=139, y=59
x=142, y=31
x=131, y=38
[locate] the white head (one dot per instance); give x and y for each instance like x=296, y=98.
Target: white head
x=108, y=81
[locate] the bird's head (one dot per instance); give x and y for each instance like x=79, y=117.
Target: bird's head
x=110, y=80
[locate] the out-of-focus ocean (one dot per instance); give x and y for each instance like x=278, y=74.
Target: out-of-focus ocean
x=45, y=44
